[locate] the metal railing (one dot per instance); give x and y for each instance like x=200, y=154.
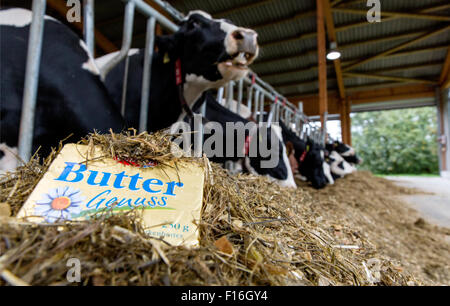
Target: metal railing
x=252, y=89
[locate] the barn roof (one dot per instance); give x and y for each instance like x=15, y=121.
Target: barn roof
x=287, y=34
x=415, y=35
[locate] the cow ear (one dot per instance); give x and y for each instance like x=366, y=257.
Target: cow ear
x=167, y=44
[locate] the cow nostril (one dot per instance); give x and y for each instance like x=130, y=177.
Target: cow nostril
x=238, y=35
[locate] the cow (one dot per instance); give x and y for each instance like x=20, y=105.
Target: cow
x=211, y=52
x=244, y=111
x=249, y=139
x=71, y=98
x=309, y=157
x=338, y=165
x=346, y=151
x=8, y=158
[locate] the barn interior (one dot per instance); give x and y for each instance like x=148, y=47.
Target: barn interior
x=400, y=62
x=403, y=61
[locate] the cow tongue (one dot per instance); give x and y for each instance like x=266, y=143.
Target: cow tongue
x=239, y=61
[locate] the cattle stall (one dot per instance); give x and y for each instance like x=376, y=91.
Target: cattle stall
x=253, y=89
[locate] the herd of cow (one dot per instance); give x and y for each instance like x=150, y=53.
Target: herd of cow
x=204, y=54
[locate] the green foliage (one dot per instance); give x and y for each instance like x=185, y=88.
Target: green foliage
x=397, y=141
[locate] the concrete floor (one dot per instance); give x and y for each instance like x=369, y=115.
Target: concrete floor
x=434, y=207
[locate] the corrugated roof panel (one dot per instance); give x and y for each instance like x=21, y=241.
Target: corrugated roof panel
x=388, y=28
x=276, y=59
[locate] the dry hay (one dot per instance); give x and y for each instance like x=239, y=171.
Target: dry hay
x=370, y=206
x=253, y=232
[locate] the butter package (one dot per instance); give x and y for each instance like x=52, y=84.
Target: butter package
x=168, y=197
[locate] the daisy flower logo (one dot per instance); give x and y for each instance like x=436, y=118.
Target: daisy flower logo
x=59, y=204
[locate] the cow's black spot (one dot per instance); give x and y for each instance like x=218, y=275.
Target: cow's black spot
x=2, y=154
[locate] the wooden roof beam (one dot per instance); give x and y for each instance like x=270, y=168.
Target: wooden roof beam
x=351, y=90
x=395, y=14
x=349, y=62
x=332, y=38
x=387, y=77
x=353, y=44
x=347, y=27
x=398, y=48
x=445, y=73
x=383, y=70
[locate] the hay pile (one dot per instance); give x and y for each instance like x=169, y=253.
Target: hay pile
x=371, y=206
x=252, y=232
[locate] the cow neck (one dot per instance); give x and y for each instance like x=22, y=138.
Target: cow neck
x=303, y=156
x=180, y=86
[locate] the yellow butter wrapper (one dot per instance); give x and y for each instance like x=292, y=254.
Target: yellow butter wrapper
x=169, y=198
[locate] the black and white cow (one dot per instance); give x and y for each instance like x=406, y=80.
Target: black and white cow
x=243, y=144
x=309, y=158
x=211, y=51
x=71, y=98
x=338, y=165
x=346, y=151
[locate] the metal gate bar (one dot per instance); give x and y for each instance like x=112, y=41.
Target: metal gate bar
x=34, y=53
x=262, y=89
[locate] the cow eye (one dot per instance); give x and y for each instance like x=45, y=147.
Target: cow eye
x=193, y=24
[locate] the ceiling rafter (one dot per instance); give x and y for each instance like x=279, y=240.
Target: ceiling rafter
x=385, y=70
x=348, y=75
x=395, y=14
x=397, y=48
x=372, y=86
x=346, y=27
x=352, y=44
x=349, y=62
x=445, y=73
x=332, y=38
x=388, y=77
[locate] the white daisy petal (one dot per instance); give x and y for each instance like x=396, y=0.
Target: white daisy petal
x=74, y=209
x=52, y=216
x=41, y=209
x=60, y=191
x=45, y=198
x=65, y=215
x=53, y=193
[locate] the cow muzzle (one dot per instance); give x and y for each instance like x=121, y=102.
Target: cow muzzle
x=242, y=46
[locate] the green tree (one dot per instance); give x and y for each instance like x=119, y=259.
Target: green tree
x=397, y=141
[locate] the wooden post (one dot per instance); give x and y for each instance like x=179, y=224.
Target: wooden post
x=345, y=121
x=441, y=128
x=349, y=121
x=322, y=64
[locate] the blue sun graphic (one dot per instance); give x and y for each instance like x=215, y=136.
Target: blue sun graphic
x=59, y=204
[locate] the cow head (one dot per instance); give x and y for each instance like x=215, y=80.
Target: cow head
x=281, y=172
x=311, y=165
x=212, y=51
x=346, y=151
x=339, y=167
